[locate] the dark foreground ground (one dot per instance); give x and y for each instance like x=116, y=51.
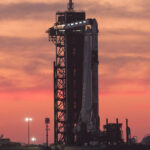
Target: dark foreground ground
x=121, y=147
x=23, y=148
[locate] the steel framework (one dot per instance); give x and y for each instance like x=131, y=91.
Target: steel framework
x=67, y=76
x=59, y=89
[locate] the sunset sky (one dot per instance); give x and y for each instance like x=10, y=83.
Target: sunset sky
x=26, y=63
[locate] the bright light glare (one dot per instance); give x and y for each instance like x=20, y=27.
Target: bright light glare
x=33, y=139
x=62, y=25
x=27, y=119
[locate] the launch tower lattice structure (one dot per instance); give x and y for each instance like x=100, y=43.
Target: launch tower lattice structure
x=59, y=89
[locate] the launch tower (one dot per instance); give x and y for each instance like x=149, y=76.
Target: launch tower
x=76, y=118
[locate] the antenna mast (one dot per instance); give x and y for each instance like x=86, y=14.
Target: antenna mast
x=70, y=5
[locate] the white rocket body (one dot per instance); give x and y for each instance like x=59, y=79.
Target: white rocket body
x=89, y=110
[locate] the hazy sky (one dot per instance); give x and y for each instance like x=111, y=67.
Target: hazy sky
x=26, y=63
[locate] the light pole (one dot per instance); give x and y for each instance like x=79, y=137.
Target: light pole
x=47, y=122
x=28, y=120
